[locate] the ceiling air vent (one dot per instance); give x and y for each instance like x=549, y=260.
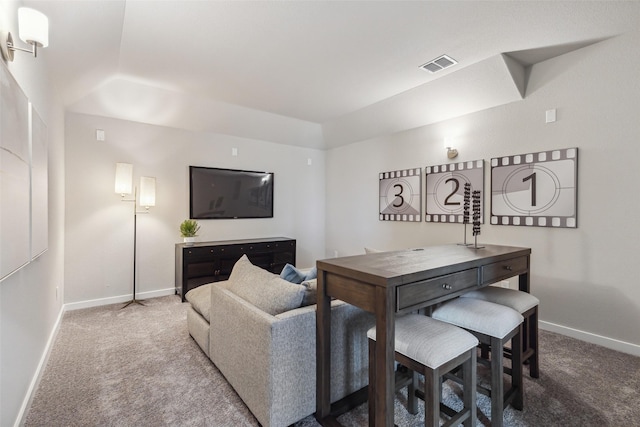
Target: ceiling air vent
x=440, y=63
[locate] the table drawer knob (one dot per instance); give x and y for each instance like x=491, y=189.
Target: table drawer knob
x=446, y=286
x=508, y=268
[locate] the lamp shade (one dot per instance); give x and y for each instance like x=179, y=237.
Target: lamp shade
x=33, y=27
x=147, y=191
x=124, y=178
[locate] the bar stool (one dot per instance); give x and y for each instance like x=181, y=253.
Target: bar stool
x=432, y=348
x=491, y=324
x=527, y=305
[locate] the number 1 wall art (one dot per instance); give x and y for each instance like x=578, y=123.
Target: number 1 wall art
x=445, y=190
x=536, y=189
x=400, y=193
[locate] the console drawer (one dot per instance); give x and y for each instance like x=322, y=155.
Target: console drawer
x=417, y=293
x=492, y=273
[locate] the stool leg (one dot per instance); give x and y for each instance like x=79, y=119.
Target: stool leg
x=469, y=370
x=516, y=371
x=431, y=399
x=534, y=367
x=412, y=400
x=372, y=382
x=497, y=382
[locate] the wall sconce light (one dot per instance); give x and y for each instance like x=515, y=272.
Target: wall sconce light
x=33, y=29
x=452, y=153
x=123, y=186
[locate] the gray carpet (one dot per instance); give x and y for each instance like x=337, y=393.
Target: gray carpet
x=140, y=367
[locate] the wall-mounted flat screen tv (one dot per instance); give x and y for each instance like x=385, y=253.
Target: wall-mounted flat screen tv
x=228, y=193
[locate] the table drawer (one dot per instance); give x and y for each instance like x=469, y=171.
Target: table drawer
x=417, y=293
x=492, y=273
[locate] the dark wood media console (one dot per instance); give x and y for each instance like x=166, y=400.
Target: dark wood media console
x=206, y=262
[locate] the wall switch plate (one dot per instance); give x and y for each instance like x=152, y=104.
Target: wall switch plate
x=234, y=151
x=100, y=135
x=550, y=116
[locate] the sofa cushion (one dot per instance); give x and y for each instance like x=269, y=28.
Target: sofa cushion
x=200, y=300
x=263, y=289
x=295, y=275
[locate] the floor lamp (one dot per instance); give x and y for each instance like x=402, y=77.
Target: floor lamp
x=124, y=186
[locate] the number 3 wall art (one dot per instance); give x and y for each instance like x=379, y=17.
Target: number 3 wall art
x=445, y=190
x=537, y=189
x=400, y=193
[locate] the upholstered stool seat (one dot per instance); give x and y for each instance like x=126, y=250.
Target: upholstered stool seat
x=432, y=348
x=495, y=325
x=527, y=305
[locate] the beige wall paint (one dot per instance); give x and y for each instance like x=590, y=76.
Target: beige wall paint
x=30, y=304
x=585, y=278
x=99, y=227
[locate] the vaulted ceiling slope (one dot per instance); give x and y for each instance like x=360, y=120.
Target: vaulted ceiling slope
x=311, y=73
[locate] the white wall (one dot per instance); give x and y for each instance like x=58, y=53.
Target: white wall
x=29, y=306
x=584, y=277
x=99, y=227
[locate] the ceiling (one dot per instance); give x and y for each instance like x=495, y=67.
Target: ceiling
x=321, y=70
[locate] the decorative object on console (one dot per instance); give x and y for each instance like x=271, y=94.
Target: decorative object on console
x=465, y=211
x=400, y=195
x=188, y=230
x=123, y=186
x=445, y=189
x=476, y=218
x=535, y=189
x=33, y=30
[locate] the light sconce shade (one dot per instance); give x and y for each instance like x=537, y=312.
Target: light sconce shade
x=33, y=30
x=452, y=153
x=147, y=191
x=124, y=178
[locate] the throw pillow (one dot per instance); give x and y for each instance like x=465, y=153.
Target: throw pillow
x=310, y=292
x=263, y=289
x=294, y=275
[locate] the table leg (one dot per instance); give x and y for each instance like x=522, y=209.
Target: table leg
x=323, y=350
x=385, y=356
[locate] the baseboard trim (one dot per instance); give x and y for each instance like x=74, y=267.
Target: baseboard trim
x=26, y=403
x=118, y=299
x=623, y=346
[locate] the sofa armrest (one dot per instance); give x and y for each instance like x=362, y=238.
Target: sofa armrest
x=264, y=358
x=271, y=360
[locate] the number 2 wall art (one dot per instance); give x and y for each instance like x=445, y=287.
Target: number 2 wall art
x=400, y=195
x=536, y=189
x=445, y=190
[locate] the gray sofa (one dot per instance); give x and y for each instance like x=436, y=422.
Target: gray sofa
x=270, y=359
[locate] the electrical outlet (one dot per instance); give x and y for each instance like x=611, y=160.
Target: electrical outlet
x=335, y=254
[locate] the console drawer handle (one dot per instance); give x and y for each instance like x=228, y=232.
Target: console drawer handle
x=446, y=286
x=508, y=268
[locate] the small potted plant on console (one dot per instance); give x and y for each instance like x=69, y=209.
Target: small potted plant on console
x=188, y=230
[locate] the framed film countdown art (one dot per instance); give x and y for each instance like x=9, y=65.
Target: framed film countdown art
x=444, y=200
x=537, y=189
x=400, y=193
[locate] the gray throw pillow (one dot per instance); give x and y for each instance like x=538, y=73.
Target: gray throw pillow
x=294, y=275
x=263, y=289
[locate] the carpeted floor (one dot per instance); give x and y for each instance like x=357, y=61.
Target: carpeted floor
x=140, y=367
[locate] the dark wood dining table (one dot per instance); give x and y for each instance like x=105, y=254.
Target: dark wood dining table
x=396, y=282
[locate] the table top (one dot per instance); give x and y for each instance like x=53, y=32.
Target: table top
x=395, y=268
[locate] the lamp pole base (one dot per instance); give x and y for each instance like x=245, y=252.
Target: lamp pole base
x=133, y=301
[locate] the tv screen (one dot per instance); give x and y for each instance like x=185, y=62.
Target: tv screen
x=227, y=193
